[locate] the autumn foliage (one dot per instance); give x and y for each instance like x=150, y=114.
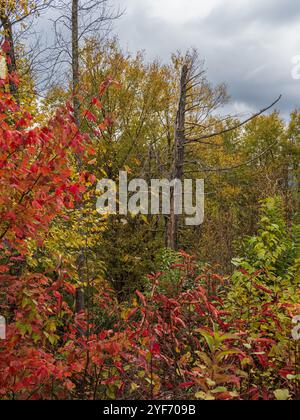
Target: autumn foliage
x=183, y=339
x=37, y=184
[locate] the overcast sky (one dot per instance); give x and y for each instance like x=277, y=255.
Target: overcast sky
x=248, y=44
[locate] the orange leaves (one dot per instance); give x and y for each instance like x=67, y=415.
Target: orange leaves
x=106, y=123
x=103, y=126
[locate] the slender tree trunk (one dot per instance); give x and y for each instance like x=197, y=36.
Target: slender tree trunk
x=80, y=301
x=10, y=54
x=80, y=304
x=172, y=228
x=75, y=59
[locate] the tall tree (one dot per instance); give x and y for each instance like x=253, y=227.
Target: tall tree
x=77, y=21
x=82, y=19
x=172, y=233
x=14, y=18
x=9, y=50
x=195, y=123
x=75, y=59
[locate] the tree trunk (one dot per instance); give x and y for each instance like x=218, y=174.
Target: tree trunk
x=172, y=228
x=75, y=59
x=10, y=54
x=80, y=304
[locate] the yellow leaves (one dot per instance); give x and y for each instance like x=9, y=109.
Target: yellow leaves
x=3, y=67
x=128, y=169
x=26, y=89
x=104, y=172
x=126, y=258
x=134, y=387
x=137, y=162
x=145, y=219
x=185, y=359
x=18, y=7
x=51, y=326
x=126, y=313
x=93, y=162
x=204, y=396
x=229, y=191
x=52, y=338
x=282, y=394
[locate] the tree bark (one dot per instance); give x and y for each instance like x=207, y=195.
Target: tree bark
x=75, y=59
x=80, y=303
x=10, y=54
x=172, y=228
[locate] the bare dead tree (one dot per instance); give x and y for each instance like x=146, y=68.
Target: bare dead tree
x=77, y=21
x=195, y=124
x=10, y=52
x=75, y=59
x=15, y=21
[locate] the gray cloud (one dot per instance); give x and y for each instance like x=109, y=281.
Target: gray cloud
x=247, y=44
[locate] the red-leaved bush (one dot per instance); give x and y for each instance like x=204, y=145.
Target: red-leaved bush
x=191, y=343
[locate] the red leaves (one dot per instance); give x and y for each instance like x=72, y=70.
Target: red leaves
x=185, y=385
x=38, y=183
x=142, y=297
x=113, y=348
x=6, y=47
x=106, y=84
x=4, y=269
x=35, y=172
x=11, y=216
x=22, y=123
x=103, y=126
x=90, y=116
x=34, y=168
x=155, y=349
x=74, y=190
x=156, y=344
x=132, y=313
x=159, y=339
x=13, y=77
x=97, y=103
x=262, y=288
x=286, y=371
x=70, y=288
x=180, y=322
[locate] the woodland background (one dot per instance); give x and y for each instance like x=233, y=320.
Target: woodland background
x=141, y=307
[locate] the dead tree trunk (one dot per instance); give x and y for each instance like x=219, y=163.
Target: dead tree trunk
x=75, y=59
x=172, y=228
x=80, y=304
x=10, y=53
x=197, y=103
